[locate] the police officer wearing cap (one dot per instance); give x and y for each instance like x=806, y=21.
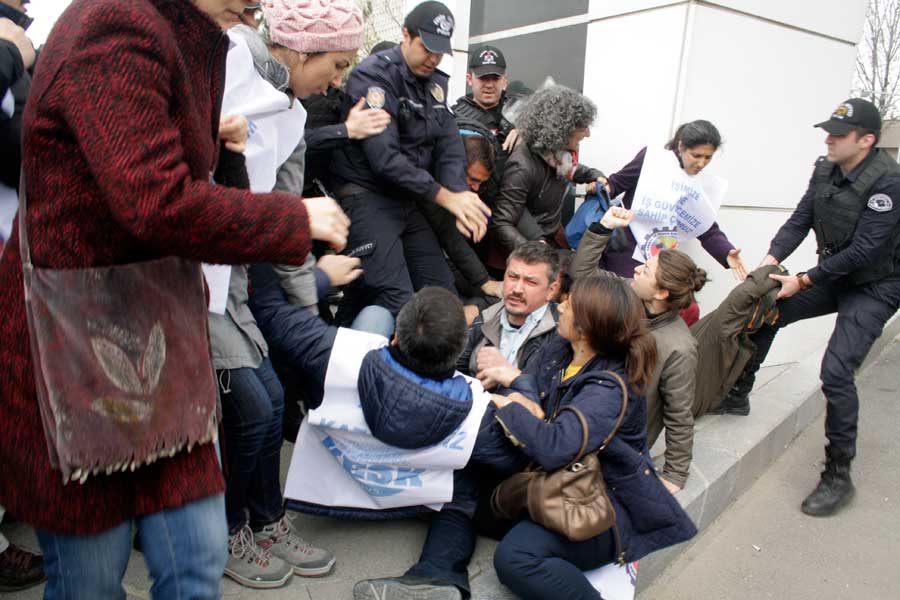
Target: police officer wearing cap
x=488, y=80
x=482, y=110
x=420, y=156
x=852, y=207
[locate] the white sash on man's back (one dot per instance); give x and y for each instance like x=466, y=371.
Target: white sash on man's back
x=337, y=461
x=671, y=206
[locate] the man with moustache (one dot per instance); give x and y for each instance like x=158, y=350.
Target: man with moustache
x=419, y=157
x=512, y=331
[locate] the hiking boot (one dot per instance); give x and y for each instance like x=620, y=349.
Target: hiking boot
x=405, y=588
x=835, y=489
x=253, y=566
x=281, y=539
x=735, y=403
x=20, y=569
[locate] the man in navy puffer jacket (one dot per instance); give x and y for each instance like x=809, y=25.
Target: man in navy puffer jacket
x=410, y=394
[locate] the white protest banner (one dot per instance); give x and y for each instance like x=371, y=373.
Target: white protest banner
x=614, y=581
x=276, y=122
x=218, y=279
x=338, y=462
x=670, y=206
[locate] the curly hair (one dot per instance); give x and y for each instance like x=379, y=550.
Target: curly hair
x=550, y=117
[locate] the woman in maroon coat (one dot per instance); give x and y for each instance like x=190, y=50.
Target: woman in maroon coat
x=694, y=144
x=120, y=140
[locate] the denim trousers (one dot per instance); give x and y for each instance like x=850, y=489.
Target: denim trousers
x=452, y=533
x=185, y=549
x=252, y=413
x=537, y=563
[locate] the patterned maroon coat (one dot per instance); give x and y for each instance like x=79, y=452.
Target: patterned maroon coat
x=119, y=145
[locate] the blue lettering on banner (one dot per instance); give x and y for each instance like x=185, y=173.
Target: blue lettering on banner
x=376, y=479
x=454, y=442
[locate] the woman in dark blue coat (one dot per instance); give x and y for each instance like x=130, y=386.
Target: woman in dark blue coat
x=601, y=328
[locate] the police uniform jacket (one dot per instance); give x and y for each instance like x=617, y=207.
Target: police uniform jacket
x=855, y=218
x=421, y=150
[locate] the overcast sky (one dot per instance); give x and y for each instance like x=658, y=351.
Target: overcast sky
x=44, y=13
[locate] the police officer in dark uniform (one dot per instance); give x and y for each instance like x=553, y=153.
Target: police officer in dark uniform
x=852, y=206
x=488, y=80
x=483, y=109
x=420, y=156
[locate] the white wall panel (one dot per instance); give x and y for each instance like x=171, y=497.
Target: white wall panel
x=601, y=9
x=842, y=19
x=764, y=87
x=631, y=73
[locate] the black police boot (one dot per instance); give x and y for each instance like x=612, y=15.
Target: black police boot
x=835, y=488
x=737, y=402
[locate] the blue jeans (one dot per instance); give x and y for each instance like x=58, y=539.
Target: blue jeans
x=451, y=535
x=536, y=563
x=374, y=319
x=252, y=412
x=185, y=549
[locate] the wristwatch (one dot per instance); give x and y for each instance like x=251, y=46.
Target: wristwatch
x=801, y=282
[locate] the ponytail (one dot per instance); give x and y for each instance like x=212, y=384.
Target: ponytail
x=678, y=274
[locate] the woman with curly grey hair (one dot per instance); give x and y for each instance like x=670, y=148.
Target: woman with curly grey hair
x=552, y=123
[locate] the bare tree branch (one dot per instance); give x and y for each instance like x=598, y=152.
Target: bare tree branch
x=877, y=76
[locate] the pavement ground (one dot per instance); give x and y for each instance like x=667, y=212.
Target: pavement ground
x=764, y=547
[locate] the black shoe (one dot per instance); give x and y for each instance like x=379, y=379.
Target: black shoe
x=735, y=403
x=20, y=569
x=834, y=491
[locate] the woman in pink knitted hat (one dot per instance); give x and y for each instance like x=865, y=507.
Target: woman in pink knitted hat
x=315, y=39
x=301, y=46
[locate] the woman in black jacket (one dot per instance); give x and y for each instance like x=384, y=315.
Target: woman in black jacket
x=601, y=329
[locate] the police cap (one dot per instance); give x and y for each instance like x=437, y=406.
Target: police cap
x=434, y=22
x=852, y=114
x=487, y=60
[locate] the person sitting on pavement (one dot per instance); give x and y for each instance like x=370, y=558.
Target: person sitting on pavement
x=511, y=332
x=537, y=175
x=535, y=562
x=416, y=368
x=666, y=284
x=420, y=156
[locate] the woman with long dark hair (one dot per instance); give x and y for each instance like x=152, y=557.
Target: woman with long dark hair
x=601, y=328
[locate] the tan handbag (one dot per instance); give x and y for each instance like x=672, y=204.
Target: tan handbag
x=571, y=501
x=121, y=361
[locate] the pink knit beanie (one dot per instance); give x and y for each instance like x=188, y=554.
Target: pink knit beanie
x=314, y=25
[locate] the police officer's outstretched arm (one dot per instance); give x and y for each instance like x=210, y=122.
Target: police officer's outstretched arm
x=793, y=232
